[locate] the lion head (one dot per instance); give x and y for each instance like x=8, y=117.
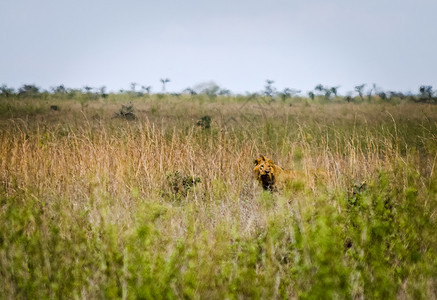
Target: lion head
x=264, y=172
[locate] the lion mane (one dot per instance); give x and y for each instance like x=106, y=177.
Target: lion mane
x=270, y=175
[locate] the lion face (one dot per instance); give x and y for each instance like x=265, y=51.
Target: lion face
x=264, y=171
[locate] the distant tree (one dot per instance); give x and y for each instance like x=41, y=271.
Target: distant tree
x=371, y=91
x=224, y=92
x=132, y=86
x=334, y=90
x=60, y=89
x=426, y=91
x=322, y=91
x=359, y=89
x=103, y=91
x=209, y=88
x=319, y=88
x=73, y=92
x=164, y=81
x=326, y=91
x=146, y=89
x=395, y=94
x=288, y=93
x=28, y=90
x=378, y=91
x=292, y=92
x=90, y=93
x=382, y=95
x=6, y=91
x=269, y=90
x=285, y=94
x=311, y=95
x=189, y=91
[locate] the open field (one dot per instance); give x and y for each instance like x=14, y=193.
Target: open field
x=97, y=206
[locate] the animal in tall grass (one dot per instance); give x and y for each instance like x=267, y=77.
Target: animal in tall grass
x=271, y=176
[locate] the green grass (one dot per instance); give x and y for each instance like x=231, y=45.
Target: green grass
x=87, y=210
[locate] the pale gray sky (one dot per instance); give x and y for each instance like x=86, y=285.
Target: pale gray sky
x=236, y=43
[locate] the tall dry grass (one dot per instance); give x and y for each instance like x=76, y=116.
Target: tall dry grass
x=87, y=210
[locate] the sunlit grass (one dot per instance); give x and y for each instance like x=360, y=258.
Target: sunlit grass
x=87, y=209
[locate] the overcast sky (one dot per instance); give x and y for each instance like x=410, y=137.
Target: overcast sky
x=236, y=43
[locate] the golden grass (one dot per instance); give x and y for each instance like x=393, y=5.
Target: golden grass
x=81, y=166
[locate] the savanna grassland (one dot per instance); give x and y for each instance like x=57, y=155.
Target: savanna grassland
x=94, y=204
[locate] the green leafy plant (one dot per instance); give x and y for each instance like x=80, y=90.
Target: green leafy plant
x=204, y=122
x=126, y=112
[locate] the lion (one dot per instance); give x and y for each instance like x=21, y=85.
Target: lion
x=270, y=175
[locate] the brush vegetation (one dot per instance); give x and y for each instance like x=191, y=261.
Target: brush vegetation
x=159, y=205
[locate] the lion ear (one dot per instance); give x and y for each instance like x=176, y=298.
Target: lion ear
x=262, y=157
x=271, y=162
x=257, y=161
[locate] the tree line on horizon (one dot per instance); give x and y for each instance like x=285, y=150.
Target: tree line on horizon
x=425, y=93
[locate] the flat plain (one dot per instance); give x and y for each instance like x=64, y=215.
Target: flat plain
x=153, y=197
